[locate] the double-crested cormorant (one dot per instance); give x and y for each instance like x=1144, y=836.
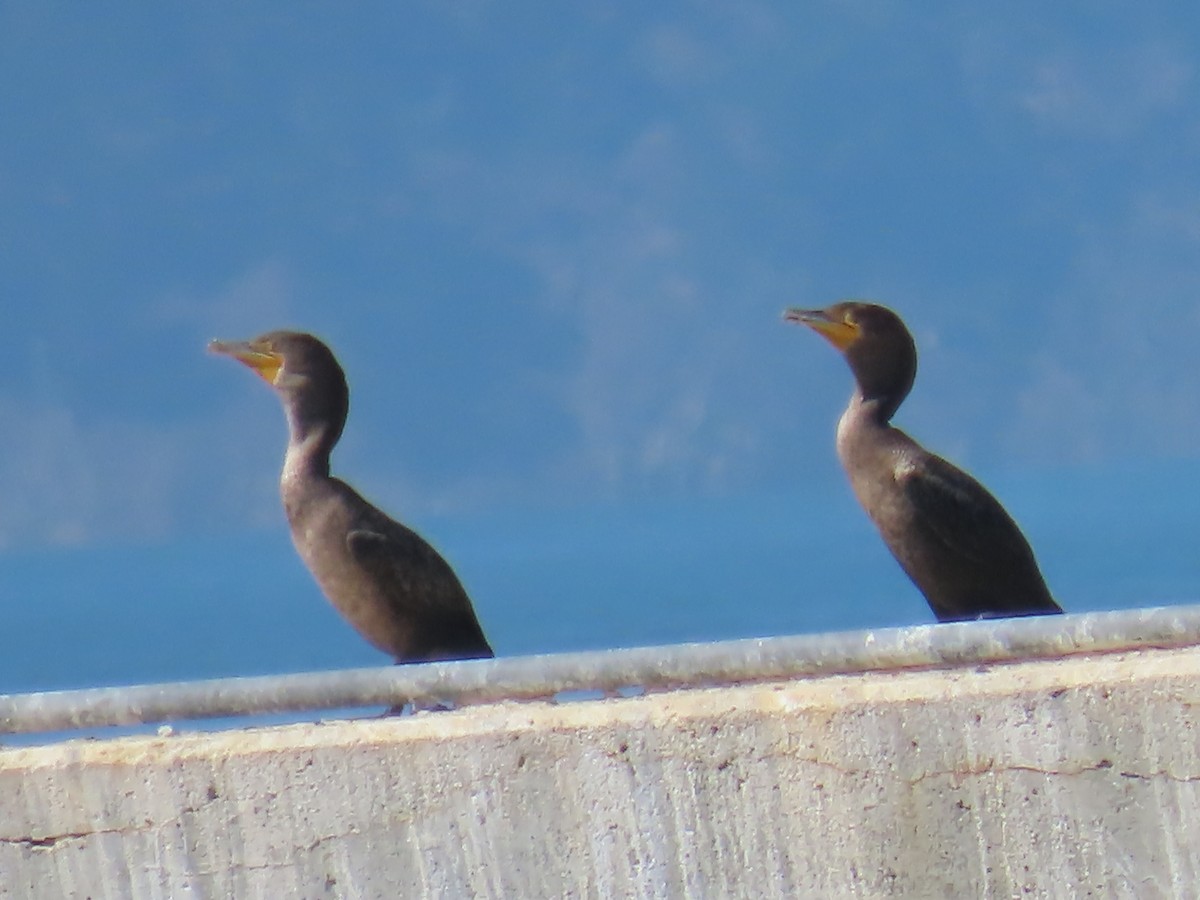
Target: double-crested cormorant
x=952, y=537
x=384, y=578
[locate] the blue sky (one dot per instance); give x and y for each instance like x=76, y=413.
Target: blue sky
x=551, y=244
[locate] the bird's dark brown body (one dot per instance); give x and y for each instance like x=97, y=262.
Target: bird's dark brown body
x=388, y=582
x=953, y=538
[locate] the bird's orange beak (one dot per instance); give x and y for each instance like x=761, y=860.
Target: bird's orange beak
x=839, y=332
x=266, y=363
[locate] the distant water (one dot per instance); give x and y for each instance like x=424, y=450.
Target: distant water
x=555, y=580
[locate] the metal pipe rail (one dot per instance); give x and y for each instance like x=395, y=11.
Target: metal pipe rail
x=605, y=672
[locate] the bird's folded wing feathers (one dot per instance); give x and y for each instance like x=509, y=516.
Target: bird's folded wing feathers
x=961, y=514
x=407, y=558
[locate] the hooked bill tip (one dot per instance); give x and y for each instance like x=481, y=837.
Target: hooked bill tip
x=803, y=316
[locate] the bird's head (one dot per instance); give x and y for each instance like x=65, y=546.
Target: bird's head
x=286, y=360
x=877, y=345
x=300, y=368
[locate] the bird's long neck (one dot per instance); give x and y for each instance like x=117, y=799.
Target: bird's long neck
x=307, y=458
x=865, y=427
x=883, y=376
x=312, y=433
x=863, y=417
x=876, y=411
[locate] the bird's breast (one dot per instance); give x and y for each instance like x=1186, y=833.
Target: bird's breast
x=878, y=462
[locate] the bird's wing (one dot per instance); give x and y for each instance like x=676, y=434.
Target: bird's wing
x=397, y=555
x=424, y=583
x=962, y=515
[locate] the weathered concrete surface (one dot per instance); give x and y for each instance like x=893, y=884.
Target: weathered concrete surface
x=1059, y=778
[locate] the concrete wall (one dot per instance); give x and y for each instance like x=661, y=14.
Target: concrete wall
x=1077, y=777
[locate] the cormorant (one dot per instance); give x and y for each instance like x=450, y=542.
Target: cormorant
x=953, y=538
x=390, y=584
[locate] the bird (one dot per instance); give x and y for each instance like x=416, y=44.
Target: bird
x=948, y=533
x=388, y=582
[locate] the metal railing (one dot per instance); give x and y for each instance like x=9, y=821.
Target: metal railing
x=604, y=673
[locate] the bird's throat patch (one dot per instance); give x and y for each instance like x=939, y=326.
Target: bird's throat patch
x=840, y=334
x=265, y=364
